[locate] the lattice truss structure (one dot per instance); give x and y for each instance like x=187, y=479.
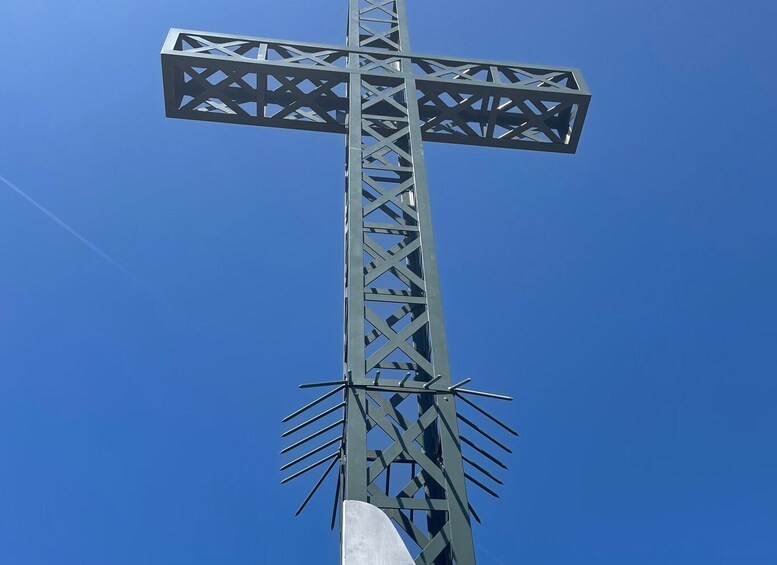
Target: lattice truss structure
x=256, y=81
x=390, y=425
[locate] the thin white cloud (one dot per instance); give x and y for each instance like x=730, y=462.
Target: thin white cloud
x=107, y=258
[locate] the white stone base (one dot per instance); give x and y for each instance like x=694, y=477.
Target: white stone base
x=369, y=537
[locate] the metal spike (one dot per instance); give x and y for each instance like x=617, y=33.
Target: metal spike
x=316, y=385
x=434, y=380
x=312, y=436
x=311, y=453
x=488, y=415
x=404, y=379
x=336, y=505
x=314, y=403
x=474, y=514
x=482, y=469
x=481, y=485
x=316, y=487
x=313, y=419
x=309, y=467
x=484, y=394
x=484, y=434
x=483, y=452
x=459, y=385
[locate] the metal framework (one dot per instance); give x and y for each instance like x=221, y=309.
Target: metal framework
x=395, y=419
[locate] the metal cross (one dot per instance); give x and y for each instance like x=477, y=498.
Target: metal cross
x=396, y=421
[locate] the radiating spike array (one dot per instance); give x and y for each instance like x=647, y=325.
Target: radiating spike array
x=386, y=406
x=488, y=435
x=332, y=458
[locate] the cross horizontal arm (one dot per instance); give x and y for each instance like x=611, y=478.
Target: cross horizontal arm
x=255, y=81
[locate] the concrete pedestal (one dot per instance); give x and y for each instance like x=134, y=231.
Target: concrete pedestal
x=369, y=537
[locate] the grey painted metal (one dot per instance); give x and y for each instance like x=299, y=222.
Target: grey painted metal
x=257, y=81
x=387, y=184
x=369, y=538
x=400, y=449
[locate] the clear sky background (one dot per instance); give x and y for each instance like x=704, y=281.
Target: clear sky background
x=626, y=295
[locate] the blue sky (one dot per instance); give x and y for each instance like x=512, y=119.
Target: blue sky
x=624, y=295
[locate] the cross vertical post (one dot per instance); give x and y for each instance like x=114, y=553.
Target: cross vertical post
x=387, y=195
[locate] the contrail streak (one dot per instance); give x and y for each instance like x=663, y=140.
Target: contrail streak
x=77, y=235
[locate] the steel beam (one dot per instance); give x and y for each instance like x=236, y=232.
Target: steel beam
x=265, y=82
